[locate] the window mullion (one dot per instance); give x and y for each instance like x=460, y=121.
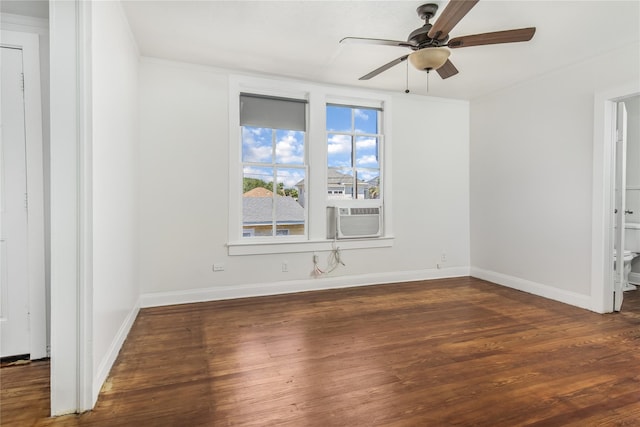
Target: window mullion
x=275, y=183
x=353, y=153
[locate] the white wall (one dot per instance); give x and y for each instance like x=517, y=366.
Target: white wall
x=115, y=184
x=531, y=173
x=184, y=192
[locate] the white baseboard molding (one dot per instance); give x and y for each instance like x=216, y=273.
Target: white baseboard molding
x=214, y=293
x=634, y=278
x=112, y=354
x=567, y=297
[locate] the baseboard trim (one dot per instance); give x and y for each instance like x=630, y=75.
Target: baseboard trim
x=214, y=293
x=112, y=354
x=571, y=298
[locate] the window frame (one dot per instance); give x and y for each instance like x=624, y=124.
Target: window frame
x=317, y=96
x=275, y=166
x=354, y=135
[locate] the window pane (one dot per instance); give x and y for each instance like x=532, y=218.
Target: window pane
x=257, y=145
x=340, y=183
x=257, y=202
x=353, y=153
x=338, y=118
x=289, y=211
x=339, y=150
x=290, y=147
x=367, y=152
x=365, y=120
x=368, y=183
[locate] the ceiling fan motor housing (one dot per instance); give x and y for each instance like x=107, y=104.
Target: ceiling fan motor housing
x=422, y=40
x=420, y=35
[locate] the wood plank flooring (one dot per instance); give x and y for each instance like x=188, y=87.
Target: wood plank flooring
x=459, y=352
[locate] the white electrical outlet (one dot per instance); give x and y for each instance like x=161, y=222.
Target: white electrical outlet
x=218, y=267
x=285, y=267
x=443, y=257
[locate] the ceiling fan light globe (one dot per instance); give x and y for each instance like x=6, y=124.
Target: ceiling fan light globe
x=429, y=58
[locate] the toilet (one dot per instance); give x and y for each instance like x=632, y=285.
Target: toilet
x=628, y=256
x=632, y=250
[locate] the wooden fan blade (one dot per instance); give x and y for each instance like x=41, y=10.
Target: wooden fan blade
x=385, y=67
x=383, y=42
x=447, y=70
x=508, y=36
x=450, y=16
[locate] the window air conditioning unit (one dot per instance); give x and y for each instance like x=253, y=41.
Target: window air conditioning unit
x=353, y=223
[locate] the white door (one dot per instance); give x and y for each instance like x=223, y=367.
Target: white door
x=14, y=290
x=620, y=203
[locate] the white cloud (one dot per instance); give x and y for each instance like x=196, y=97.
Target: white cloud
x=367, y=161
x=255, y=149
x=290, y=149
x=366, y=143
x=257, y=154
x=339, y=144
x=360, y=114
x=264, y=174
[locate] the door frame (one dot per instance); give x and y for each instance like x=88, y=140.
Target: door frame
x=71, y=225
x=602, y=236
x=29, y=44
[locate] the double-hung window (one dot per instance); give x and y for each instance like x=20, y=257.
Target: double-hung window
x=274, y=167
x=353, y=152
x=296, y=150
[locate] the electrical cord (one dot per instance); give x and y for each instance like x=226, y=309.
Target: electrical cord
x=333, y=261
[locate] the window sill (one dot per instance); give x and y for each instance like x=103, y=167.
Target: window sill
x=262, y=248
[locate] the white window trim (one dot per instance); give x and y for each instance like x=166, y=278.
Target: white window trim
x=318, y=96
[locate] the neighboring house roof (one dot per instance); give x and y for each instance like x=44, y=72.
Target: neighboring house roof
x=258, y=192
x=257, y=209
x=337, y=179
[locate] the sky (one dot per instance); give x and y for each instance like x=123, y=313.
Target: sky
x=258, y=147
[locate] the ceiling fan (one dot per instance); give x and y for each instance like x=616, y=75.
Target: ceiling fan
x=429, y=43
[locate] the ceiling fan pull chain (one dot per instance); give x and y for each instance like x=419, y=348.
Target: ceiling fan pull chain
x=428, y=81
x=406, y=90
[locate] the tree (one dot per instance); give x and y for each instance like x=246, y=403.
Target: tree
x=291, y=192
x=249, y=184
x=374, y=192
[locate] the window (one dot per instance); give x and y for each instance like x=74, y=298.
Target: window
x=295, y=149
x=273, y=132
x=353, y=152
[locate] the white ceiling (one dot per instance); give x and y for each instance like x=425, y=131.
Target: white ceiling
x=299, y=39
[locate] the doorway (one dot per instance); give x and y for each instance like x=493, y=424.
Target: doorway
x=627, y=198
x=14, y=295
x=603, y=278
x=22, y=268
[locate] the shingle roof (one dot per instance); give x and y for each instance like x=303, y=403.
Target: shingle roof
x=258, y=192
x=257, y=210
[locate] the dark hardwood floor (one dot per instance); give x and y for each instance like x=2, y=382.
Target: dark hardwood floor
x=460, y=352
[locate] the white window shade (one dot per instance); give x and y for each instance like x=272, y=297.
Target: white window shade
x=274, y=113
